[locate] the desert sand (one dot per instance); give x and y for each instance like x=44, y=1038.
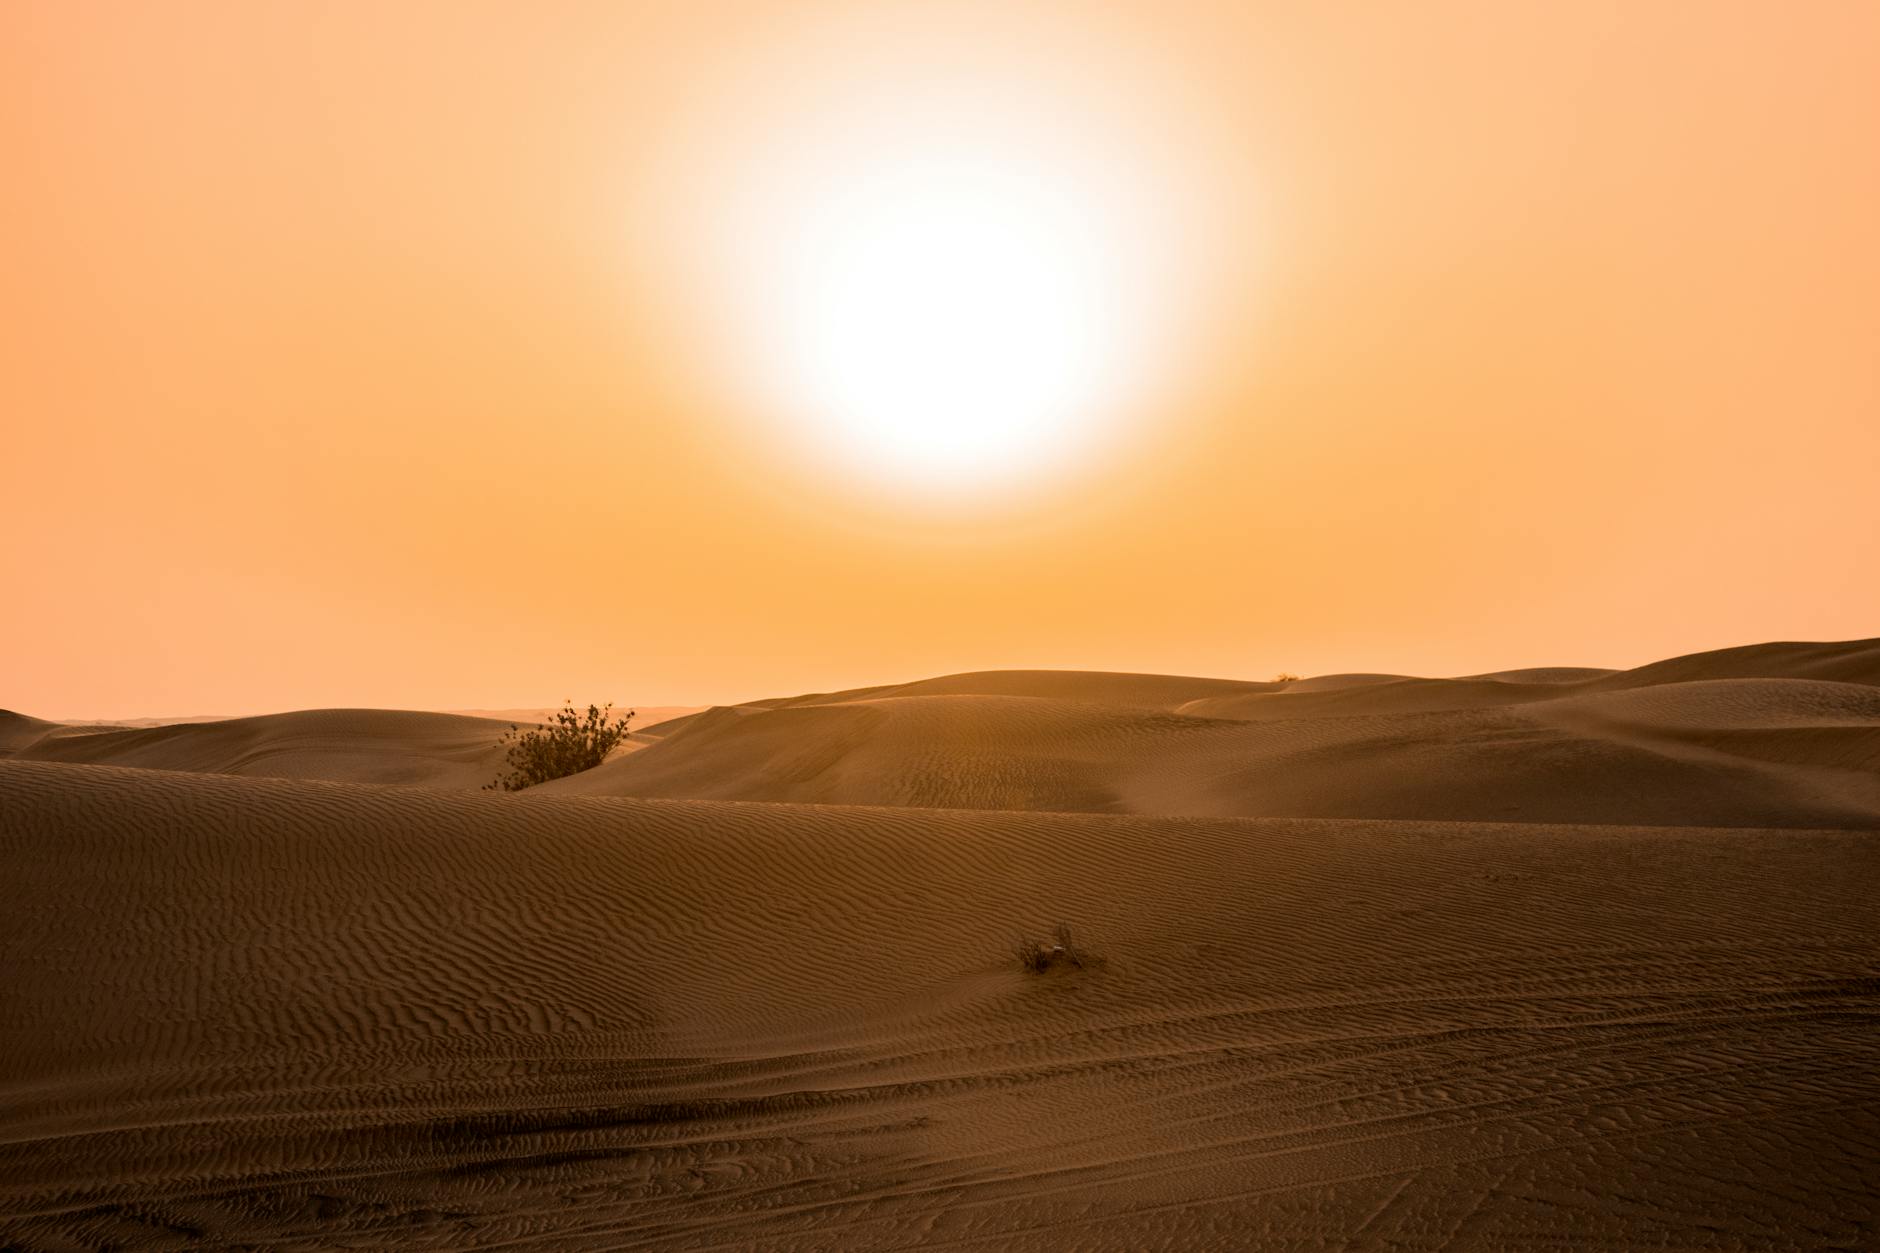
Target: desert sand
x=1539, y=959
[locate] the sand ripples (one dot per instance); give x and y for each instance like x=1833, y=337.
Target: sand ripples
x=284, y=1014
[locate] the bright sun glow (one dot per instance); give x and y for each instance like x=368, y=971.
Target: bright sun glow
x=949, y=318
x=936, y=274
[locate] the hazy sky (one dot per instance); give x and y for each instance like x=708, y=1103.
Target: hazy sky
x=444, y=355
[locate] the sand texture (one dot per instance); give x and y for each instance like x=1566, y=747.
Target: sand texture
x=1411, y=966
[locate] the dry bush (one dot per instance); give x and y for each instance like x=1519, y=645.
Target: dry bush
x=1038, y=956
x=573, y=742
x=1285, y=676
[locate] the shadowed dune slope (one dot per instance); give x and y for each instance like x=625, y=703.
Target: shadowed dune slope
x=1733, y=752
x=258, y=1012
x=383, y=746
x=1851, y=661
x=18, y=731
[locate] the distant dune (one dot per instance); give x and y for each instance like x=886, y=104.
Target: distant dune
x=1778, y=735
x=385, y=746
x=1770, y=743
x=349, y=745
x=295, y=1013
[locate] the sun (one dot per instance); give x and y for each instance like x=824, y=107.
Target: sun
x=948, y=318
x=939, y=275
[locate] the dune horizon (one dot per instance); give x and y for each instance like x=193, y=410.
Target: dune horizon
x=647, y=712
x=1775, y=734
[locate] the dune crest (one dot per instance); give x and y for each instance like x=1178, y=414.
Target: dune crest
x=1763, y=739
x=1727, y=739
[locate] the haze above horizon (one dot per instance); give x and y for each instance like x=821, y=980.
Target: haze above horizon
x=439, y=355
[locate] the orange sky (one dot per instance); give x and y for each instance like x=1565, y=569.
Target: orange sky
x=347, y=360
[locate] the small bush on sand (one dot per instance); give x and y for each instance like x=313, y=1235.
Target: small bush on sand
x=1035, y=957
x=1285, y=676
x=573, y=742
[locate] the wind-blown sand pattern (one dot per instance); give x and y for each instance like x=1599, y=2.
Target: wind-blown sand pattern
x=1331, y=1005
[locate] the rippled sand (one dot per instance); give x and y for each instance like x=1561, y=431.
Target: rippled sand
x=244, y=1011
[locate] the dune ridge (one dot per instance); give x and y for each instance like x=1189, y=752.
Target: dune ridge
x=1776, y=735
x=1783, y=734
x=1779, y=734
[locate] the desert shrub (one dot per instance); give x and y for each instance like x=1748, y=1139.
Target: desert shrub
x=1285, y=677
x=573, y=742
x=1035, y=957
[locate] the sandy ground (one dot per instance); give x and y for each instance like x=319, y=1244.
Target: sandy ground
x=1329, y=1003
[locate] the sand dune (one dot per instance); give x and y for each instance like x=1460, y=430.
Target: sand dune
x=382, y=746
x=1548, y=674
x=401, y=748
x=1530, y=960
x=1662, y=745
x=18, y=731
x=1138, y=691
x=1854, y=661
x=244, y=1011
x=1793, y=743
